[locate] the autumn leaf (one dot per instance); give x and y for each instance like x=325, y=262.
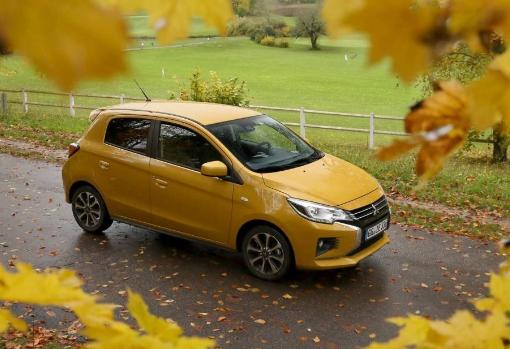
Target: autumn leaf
x=8, y=319
x=334, y=13
x=463, y=330
x=171, y=19
x=61, y=287
x=399, y=29
x=438, y=124
x=151, y=324
x=489, y=97
x=475, y=21
x=68, y=41
x=414, y=330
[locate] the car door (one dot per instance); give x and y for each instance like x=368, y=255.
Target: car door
x=182, y=199
x=122, y=172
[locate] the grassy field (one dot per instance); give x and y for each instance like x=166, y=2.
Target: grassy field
x=290, y=77
x=293, y=77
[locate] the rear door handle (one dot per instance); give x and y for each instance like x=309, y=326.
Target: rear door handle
x=161, y=183
x=104, y=165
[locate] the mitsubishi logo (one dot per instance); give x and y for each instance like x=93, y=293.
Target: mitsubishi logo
x=376, y=211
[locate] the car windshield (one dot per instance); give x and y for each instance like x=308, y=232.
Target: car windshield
x=263, y=144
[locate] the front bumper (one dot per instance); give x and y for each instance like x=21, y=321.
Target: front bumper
x=352, y=245
x=351, y=260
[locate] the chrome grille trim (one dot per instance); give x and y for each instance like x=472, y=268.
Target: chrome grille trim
x=377, y=207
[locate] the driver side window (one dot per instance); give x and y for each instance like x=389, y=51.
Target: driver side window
x=265, y=133
x=184, y=147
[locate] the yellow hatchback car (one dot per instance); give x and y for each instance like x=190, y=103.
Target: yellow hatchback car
x=228, y=176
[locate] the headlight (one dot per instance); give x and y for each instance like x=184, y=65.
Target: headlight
x=319, y=213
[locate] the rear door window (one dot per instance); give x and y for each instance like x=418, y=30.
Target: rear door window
x=129, y=133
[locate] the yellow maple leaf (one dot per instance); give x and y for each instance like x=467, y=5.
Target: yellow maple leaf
x=334, y=13
x=61, y=288
x=8, y=319
x=489, y=97
x=400, y=29
x=438, y=124
x=414, y=330
x=473, y=20
x=499, y=300
x=67, y=41
x=171, y=19
x=151, y=324
x=463, y=330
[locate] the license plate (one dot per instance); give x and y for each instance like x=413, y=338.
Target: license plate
x=376, y=229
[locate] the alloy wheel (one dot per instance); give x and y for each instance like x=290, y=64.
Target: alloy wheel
x=88, y=209
x=265, y=253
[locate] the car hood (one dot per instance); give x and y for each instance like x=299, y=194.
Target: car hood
x=330, y=181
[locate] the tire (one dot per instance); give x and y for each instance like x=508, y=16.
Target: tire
x=266, y=253
x=89, y=210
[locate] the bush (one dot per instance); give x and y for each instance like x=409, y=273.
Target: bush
x=258, y=28
x=281, y=42
x=267, y=41
x=214, y=90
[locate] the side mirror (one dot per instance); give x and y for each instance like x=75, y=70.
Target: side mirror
x=214, y=169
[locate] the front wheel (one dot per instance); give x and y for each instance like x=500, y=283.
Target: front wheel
x=89, y=210
x=266, y=253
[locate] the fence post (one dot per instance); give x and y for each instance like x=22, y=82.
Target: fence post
x=24, y=99
x=4, y=103
x=72, y=112
x=302, y=122
x=122, y=99
x=371, y=134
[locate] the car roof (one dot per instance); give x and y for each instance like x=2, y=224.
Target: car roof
x=203, y=113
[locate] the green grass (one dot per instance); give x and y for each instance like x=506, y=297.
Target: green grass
x=434, y=221
x=292, y=77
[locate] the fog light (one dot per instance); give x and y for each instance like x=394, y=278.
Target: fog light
x=325, y=244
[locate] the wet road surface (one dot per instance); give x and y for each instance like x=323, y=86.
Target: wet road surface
x=209, y=293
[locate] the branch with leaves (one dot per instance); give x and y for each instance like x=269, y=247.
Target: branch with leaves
x=62, y=288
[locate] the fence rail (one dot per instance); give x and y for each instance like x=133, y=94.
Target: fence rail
x=302, y=124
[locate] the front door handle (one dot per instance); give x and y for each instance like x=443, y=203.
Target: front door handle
x=161, y=183
x=104, y=165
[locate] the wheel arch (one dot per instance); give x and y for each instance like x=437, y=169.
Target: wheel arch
x=250, y=224
x=78, y=184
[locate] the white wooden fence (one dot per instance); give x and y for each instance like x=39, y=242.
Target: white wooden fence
x=302, y=124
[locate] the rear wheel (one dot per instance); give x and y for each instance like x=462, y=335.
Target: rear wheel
x=266, y=253
x=89, y=210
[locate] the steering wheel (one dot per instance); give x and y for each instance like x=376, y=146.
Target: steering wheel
x=263, y=147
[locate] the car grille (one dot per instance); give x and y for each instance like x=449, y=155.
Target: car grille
x=370, y=213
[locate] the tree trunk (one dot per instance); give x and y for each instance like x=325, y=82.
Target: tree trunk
x=501, y=143
x=313, y=39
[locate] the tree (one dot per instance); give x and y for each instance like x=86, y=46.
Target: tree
x=464, y=65
x=309, y=24
x=241, y=7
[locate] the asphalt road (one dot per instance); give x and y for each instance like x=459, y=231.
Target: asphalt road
x=209, y=293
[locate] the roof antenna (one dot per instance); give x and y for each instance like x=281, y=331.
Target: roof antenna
x=147, y=99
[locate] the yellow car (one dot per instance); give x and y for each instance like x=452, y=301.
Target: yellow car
x=228, y=176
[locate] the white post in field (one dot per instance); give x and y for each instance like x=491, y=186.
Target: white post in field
x=72, y=112
x=122, y=99
x=302, y=122
x=371, y=133
x=24, y=100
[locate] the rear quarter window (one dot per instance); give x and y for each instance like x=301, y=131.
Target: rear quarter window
x=129, y=133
